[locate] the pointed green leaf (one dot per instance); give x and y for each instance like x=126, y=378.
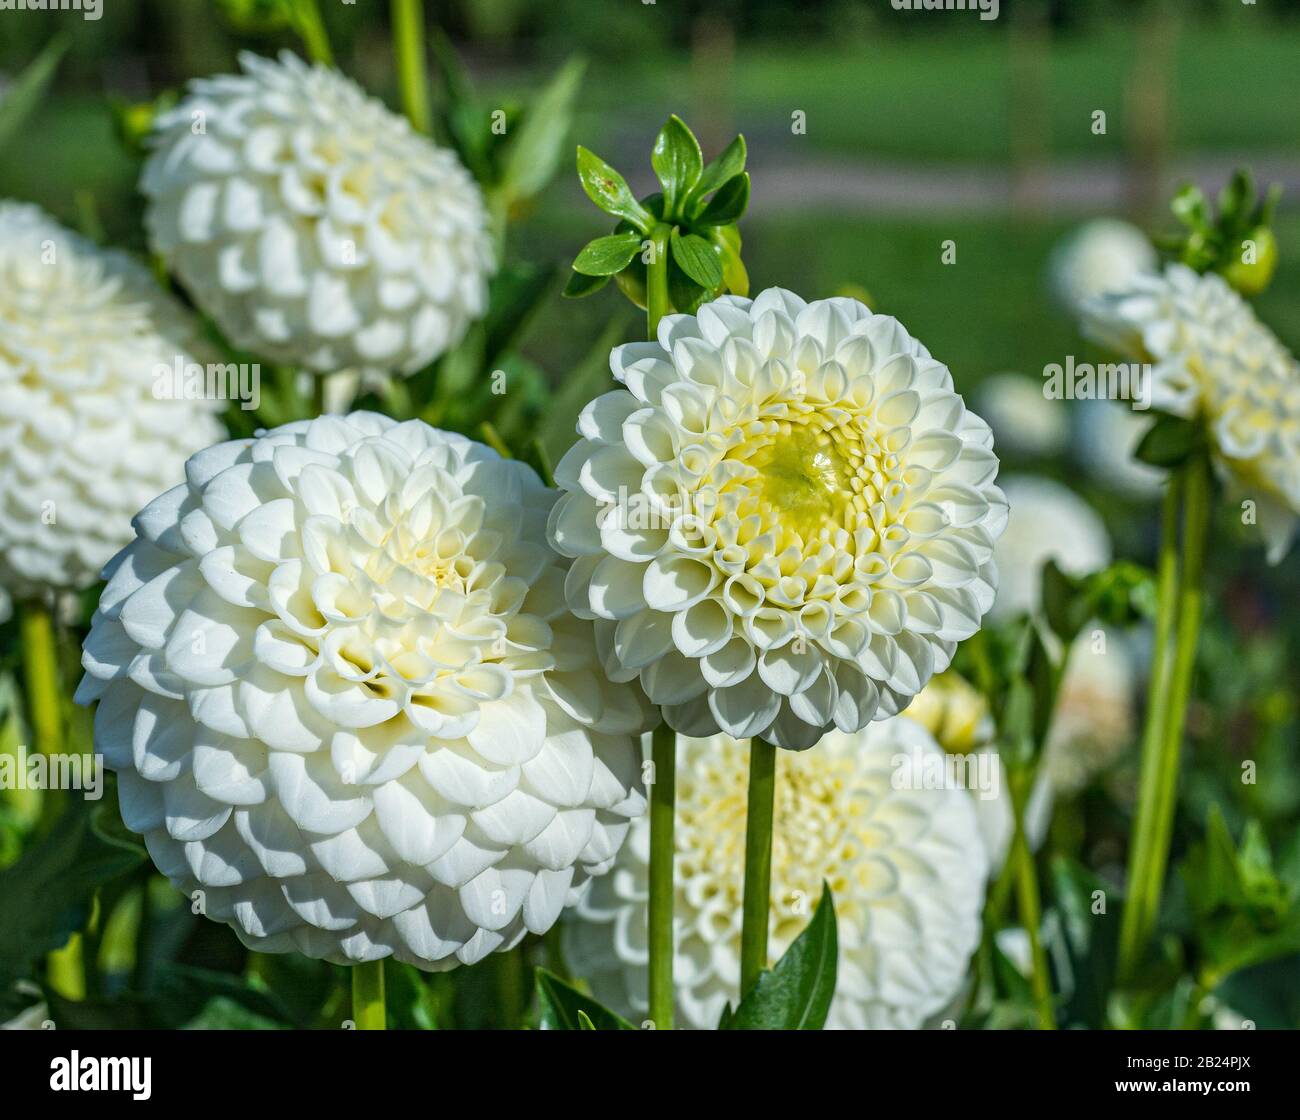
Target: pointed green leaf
x=678, y=162
x=609, y=190
x=28, y=92
x=47, y=894
x=728, y=204
x=796, y=994
x=729, y=164
x=727, y=239
x=534, y=152
x=698, y=259
x=563, y=1007
x=607, y=255
x=584, y=1021
x=580, y=286
x=1170, y=441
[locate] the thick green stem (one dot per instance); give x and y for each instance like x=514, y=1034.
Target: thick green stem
x=657, y=302
x=368, y=996
x=311, y=30
x=1178, y=616
x=44, y=704
x=1029, y=905
x=663, y=794
x=758, y=862
x=409, y=52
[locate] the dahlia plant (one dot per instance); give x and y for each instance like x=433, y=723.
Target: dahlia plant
x=1227, y=394
x=782, y=524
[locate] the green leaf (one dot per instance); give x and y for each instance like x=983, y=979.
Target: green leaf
x=1191, y=208
x=1170, y=441
x=46, y=896
x=796, y=994
x=609, y=190
x=678, y=162
x=728, y=204
x=1063, y=606
x=534, y=152
x=28, y=92
x=1090, y=940
x=729, y=164
x=727, y=239
x=1237, y=199
x=580, y=286
x=698, y=259
x=607, y=255
x=1266, y=994
x=563, y=1007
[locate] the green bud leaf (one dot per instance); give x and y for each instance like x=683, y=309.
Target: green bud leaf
x=1170, y=441
x=698, y=259
x=729, y=164
x=796, y=994
x=580, y=286
x=607, y=255
x=1190, y=207
x=678, y=162
x=727, y=239
x=728, y=204
x=609, y=190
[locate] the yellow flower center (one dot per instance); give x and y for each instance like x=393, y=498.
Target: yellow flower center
x=803, y=480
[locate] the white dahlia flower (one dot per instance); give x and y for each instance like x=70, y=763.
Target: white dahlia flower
x=874, y=814
x=1211, y=359
x=314, y=225
x=84, y=442
x=1048, y=521
x=1106, y=435
x=784, y=522
x=344, y=698
x=1099, y=256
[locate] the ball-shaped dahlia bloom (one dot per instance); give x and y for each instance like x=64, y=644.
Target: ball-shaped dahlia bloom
x=1211, y=359
x=784, y=522
x=344, y=698
x=314, y=225
x=873, y=814
x=1048, y=521
x=1099, y=256
x=84, y=442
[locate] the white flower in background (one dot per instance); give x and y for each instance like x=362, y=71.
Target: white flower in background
x=83, y=441
x=1106, y=435
x=1095, y=720
x=905, y=865
x=344, y=698
x=1048, y=521
x=1023, y=420
x=314, y=225
x=784, y=521
x=1092, y=725
x=1212, y=359
x=1100, y=256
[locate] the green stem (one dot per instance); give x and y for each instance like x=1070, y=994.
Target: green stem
x=1178, y=613
x=311, y=30
x=657, y=301
x=44, y=705
x=758, y=862
x=368, y=996
x=1029, y=905
x=409, y=52
x=663, y=793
